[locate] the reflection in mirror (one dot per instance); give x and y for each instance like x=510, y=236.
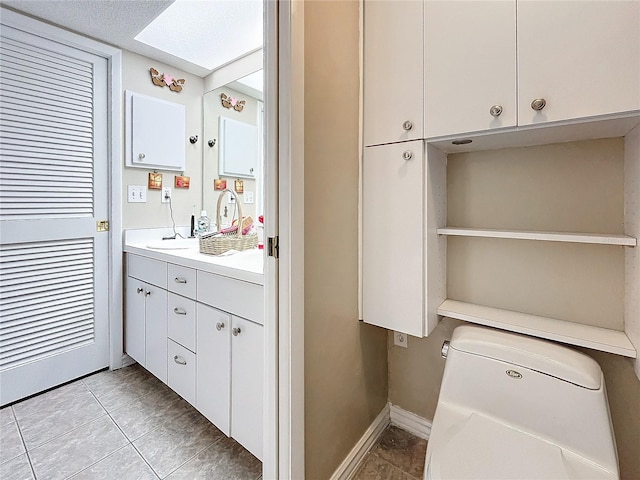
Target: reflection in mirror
x=233, y=146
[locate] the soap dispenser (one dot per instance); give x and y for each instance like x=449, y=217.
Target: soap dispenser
x=204, y=224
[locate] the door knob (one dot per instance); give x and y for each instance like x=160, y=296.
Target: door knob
x=140, y=290
x=219, y=326
x=407, y=125
x=407, y=155
x=236, y=331
x=495, y=110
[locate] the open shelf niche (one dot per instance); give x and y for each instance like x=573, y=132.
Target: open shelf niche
x=580, y=197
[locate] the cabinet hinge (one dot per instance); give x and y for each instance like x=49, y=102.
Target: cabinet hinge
x=273, y=247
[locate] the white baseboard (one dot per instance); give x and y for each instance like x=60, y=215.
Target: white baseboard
x=420, y=427
x=350, y=464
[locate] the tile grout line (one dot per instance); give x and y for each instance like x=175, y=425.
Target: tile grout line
x=191, y=458
x=26, y=452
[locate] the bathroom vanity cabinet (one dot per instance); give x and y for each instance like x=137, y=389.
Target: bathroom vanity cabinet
x=514, y=268
x=200, y=333
x=503, y=64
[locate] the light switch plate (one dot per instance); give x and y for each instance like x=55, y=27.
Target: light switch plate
x=400, y=339
x=248, y=197
x=136, y=194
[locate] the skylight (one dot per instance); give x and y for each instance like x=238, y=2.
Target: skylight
x=208, y=33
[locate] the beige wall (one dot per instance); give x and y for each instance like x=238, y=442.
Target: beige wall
x=345, y=360
x=135, y=77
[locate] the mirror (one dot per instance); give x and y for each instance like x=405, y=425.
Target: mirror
x=233, y=147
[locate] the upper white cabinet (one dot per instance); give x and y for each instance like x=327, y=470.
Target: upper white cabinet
x=155, y=133
x=393, y=72
x=470, y=67
x=477, y=66
x=581, y=57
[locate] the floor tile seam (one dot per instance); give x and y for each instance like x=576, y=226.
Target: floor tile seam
x=67, y=432
x=144, y=459
x=191, y=458
x=24, y=445
x=393, y=465
x=96, y=462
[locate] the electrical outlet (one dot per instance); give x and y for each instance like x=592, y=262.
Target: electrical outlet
x=166, y=194
x=136, y=194
x=248, y=197
x=400, y=339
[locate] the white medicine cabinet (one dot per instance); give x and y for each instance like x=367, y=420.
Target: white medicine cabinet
x=238, y=148
x=155, y=133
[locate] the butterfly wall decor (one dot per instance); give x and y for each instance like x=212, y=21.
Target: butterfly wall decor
x=231, y=102
x=164, y=80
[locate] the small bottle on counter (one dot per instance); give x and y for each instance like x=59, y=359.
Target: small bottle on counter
x=204, y=224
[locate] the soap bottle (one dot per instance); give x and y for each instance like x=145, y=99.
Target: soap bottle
x=204, y=223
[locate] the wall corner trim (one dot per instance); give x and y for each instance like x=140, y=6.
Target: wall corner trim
x=350, y=464
x=420, y=427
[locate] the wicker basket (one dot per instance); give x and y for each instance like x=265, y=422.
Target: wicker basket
x=216, y=244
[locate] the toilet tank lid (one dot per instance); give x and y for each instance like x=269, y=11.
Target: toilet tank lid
x=532, y=353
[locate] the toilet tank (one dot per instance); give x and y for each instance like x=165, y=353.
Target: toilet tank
x=545, y=389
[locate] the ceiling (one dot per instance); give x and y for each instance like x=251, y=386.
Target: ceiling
x=117, y=22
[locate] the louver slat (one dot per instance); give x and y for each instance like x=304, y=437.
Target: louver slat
x=46, y=118
x=47, y=302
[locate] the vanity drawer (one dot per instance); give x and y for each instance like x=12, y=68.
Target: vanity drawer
x=181, y=371
x=181, y=280
x=148, y=270
x=181, y=313
x=240, y=298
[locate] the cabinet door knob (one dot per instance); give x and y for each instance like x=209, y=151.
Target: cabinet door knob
x=538, y=104
x=236, y=331
x=147, y=293
x=495, y=110
x=179, y=311
x=219, y=326
x=407, y=155
x=407, y=125
x=141, y=156
x=180, y=280
x=140, y=290
x=179, y=360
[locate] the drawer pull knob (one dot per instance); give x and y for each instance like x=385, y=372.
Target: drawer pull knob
x=179, y=360
x=538, y=104
x=147, y=293
x=496, y=110
x=407, y=155
x=180, y=280
x=179, y=311
x=219, y=326
x=236, y=331
x=407, y=125
x=140, y=290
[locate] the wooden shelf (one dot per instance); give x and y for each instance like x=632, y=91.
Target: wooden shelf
x=592, y=238
x=596, y=338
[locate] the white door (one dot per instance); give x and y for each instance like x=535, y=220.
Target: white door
x=54, y=323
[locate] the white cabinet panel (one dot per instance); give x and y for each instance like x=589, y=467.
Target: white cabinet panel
x=148, y=270
x=155, y=132
x=247, y=347
x=213, y=377
x=181, y=374
x=582, y=57
x=234, y=296
x=393, y=71
x=470, y=66
x=393, y=237
x=156, y=332
x=134, y=320
x=181, y=314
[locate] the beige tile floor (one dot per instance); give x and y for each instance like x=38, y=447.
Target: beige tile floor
x=121, y=425
x=397, y=455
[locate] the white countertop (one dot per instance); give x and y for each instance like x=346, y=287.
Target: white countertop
x=246, y=265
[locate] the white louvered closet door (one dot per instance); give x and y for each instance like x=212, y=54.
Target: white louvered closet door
x=53, y=189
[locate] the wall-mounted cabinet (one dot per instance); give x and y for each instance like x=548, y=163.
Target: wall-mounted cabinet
x=542, y=244
x=155, y=135
x=451, y=68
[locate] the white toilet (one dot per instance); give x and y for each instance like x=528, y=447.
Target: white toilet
x=514, y=407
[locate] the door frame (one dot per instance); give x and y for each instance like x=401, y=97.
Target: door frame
x=114, y=154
